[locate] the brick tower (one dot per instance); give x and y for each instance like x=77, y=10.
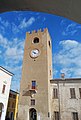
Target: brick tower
x=34, y=100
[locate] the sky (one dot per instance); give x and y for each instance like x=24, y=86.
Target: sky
x=66, y=42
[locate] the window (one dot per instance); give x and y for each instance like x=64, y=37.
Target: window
x=9, y=104
x=13, y=105
x=49, y=43
x=36, y=40
x=75, y=116
x=80, y=92
x=56, y=115
x=50, y=72
x=3, y=89
x=33, y=84
x=14, y=96
x=48, y=114
x=55, y=93
x=32, y=101
x=72, y=92
x=10, y=95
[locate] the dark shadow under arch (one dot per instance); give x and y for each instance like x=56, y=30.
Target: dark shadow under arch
x=70, y=9
x=1, y=108
x=32, y=114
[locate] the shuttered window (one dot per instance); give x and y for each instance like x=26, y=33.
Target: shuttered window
x=72, y=92
x=75, y=116
x=55, y=93
x=56, y=115
x=80, y=92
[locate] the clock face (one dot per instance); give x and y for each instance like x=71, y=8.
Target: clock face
x=34, y=53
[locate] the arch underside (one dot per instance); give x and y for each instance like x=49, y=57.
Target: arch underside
x=70, y=9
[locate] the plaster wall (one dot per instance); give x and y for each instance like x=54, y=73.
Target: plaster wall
x=5, y=79
x=66, y=104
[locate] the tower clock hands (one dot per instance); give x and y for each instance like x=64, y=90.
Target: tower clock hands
x=34, y=53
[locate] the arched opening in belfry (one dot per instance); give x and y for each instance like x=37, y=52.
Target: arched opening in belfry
x=32, y=114
x=36, y=40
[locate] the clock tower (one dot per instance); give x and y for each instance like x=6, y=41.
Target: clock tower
x=34, y=100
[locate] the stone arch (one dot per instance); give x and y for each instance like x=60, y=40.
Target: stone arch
x=67, y=8
x=1, y=109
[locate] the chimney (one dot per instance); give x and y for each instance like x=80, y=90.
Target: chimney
x=62, y=75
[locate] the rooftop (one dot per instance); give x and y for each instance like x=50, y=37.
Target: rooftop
x=6, y=71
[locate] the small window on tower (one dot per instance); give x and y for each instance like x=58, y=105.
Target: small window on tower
x=50, y=72
x=36, y=40
x=49, y=43
x=32, y=101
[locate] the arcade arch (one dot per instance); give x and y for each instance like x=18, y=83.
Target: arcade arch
x=66, y=8
x=1, y=109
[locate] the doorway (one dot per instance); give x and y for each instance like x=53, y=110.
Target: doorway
x=1, y=108
x=32, y=114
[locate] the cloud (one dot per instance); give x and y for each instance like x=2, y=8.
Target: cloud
x=69, y=72
x=15, y=28
x=44, y=19
x=14, y=51
x=22, y=24
x=3, y=41
x=26, y=23
x=5, y=23
x=2, y=29
x=12, y=57
x=68, y=44
x=69, y=28
x=0, y=51
x=68, y=58
x=55, y=72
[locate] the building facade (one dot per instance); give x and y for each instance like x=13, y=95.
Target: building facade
x=66, y=99
x=5, y=82
x=39, y=97
x=12, y=108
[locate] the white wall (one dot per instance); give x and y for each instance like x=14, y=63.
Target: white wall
x=4, y=79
